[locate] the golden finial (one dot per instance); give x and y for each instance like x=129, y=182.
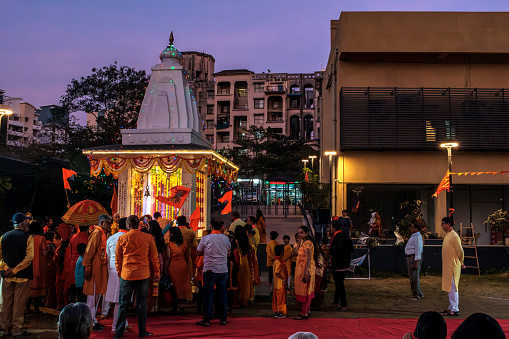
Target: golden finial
x=171, y=38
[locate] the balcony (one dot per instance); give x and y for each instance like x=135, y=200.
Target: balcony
x=223, y=91
x=223, y=124
x=16, y=123
x=275, y=88
x=14, y=133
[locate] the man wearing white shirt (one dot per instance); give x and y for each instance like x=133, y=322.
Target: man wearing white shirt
x=413, y=251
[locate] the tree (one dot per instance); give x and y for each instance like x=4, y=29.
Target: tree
x=263, y=151
x=112, y=94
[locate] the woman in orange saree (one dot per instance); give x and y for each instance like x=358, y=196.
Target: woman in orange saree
x=305, y=272
x=176, y=267
x=242, y=252
x=38, y=284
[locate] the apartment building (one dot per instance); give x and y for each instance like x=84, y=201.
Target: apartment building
x=23, y=125
x=286, y=102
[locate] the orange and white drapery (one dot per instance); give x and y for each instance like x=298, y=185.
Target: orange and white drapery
x=169, y=164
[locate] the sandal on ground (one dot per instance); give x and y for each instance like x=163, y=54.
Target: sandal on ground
x=301, y=317
x=224, y=323
x=203, y=323
x=445, y=311
x=146, y=334
x=452, y=314
x=22, y=334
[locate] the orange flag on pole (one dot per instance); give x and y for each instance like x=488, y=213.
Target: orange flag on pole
x=195, y=219
x=114, y=200
x=66, y=175
x=444, y=185
x=227, y=197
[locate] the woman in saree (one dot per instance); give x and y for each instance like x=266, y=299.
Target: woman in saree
x=262, y=227
x=242, y=254
x=253, y=261
x=175, y=265
x=305, y=272
x=155, y=231
x=38, y=283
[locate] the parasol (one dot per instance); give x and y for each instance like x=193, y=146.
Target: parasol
x=84, y=213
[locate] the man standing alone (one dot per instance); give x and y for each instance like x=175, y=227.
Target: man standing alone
x=135, y=254
x=96, y=268
x=215, y=249
x=16, y=254
x=452, y=263
x=413, y=251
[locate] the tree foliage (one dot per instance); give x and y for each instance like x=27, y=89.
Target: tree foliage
x=263, y=151
x=112, y=94
x=414, y=214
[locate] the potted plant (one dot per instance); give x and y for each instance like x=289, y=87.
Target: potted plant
x=499, y=221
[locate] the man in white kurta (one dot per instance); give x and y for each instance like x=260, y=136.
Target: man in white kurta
x=113, y=289
x=452, y=263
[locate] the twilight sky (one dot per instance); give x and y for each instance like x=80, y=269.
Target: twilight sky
x=44, y=44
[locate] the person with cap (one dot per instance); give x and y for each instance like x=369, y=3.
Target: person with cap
x=413, y=251
x=16, y=255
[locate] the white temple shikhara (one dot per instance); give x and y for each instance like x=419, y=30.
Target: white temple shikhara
x=165, y=150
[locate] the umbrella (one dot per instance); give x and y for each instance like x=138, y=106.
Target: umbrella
x=84, y=213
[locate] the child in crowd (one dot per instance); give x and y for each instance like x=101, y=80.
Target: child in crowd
x=280, y=283
x=79, y=274
x=271, y=255
x=287, y=257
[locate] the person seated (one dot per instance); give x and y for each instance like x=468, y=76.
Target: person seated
x=431, y=325
x=479, y=325
x=75, y=322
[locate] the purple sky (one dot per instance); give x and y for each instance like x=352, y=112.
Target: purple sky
x=47, y=43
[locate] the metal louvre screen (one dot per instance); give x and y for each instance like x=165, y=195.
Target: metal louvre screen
x=375, y=118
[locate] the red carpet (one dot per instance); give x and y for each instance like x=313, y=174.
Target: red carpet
x=247, y=327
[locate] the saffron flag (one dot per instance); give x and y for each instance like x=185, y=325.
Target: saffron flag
x=444, y=185
x=66, y=175
x=227, y=197
x=177, y=197
x=114, y=200
x=195, y=219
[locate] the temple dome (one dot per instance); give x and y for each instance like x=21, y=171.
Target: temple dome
x=170, y=52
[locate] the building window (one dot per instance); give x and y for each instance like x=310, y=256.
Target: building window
x=258, y=119
x=26, y=119
x=277, y=104
x=210, y=109
x=224, y=138
x=258, y=87
x=210, y=95
x=294, y=102
x=242, y=92
x=243, y=123
x=259, y=103
x=209, y=124
x=224, y=108
x=277, y=130
x=431, y=132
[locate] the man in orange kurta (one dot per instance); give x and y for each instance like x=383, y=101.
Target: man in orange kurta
x=452, y=263
x=95, y=263
x=271, y=255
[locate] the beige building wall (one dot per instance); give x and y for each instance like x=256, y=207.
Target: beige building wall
x=412, y=49
x=23, y=124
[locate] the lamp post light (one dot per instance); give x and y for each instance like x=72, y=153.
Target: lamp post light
x=305, y=161
x=4, y=110
x=332, y=182
x=449, y=146
x=312, y=157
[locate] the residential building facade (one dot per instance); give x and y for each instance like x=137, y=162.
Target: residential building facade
x=23, y=125
x=397, y=85
x=287, y=103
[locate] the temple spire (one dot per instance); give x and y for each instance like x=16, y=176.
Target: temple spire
x=171, y=38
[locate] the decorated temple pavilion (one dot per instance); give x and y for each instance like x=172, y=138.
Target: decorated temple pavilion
x=165, y=150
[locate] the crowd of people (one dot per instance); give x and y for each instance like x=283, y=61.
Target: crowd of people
x=148, y=262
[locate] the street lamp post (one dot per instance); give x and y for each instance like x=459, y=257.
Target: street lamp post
x=449, y=146
x=312, y=157
x=305, y=161
x=332, y=182
x=4, y=110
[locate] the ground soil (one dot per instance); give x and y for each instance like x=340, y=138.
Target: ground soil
x=386, y=297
